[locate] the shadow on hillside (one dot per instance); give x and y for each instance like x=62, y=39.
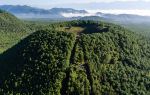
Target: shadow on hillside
x=9, y=59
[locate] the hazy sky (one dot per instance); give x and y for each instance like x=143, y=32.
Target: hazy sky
x=82, y=4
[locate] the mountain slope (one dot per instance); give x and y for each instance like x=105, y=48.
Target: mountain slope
x=78, y=58
x=65, y=10
x=27, y=9
x=9, y=22
x=22, y=9
x=38, y=61
x=11, y=30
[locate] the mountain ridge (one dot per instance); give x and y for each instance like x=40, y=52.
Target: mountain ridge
x=65, y=14
x=21, y=11
x=25, y=9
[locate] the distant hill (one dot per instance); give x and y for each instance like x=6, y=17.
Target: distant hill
x=9, y=22
x=66, y=10
x=77, y=58
x=126, y=18
x=31, y=12
x=93, y=18
x=22, y=9
x=27, y=12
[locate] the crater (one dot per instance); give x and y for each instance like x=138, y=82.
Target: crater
x=83, y=29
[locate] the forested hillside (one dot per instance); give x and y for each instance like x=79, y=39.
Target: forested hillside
x=8, y=22
x=37, y=63
x=77, y=58
x=12, y=29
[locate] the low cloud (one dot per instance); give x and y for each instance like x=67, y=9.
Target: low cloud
x=77, y=14
x=117, y=11
x=111, y=11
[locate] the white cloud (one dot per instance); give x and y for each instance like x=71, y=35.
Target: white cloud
x=117, y=11
x=77, y=14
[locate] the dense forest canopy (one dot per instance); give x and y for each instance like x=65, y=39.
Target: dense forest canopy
x=8, y=22
x=77, y=58
x=12, y=30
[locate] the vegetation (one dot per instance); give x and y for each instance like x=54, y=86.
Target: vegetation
x=12, y=30
x=73, y=58
x=8, y=39
x=118, y=62
x=37, y=63
x=9, y=22
x=140, y=28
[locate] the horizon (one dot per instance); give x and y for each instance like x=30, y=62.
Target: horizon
x=92, y=12
x=134, y=7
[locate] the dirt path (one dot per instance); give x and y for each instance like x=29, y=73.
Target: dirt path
x=85, y=65
x=87, y=68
